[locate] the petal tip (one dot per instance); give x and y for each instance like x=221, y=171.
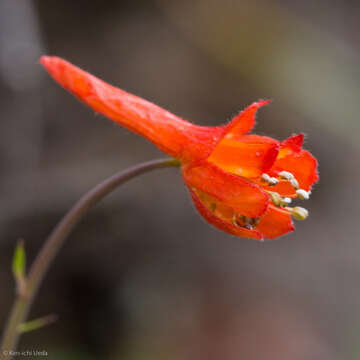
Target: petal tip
x=263, y=102
x=46, y=61
x=295, y=141
x=245, y=120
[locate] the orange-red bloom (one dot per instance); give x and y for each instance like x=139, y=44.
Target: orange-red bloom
x=242, y=184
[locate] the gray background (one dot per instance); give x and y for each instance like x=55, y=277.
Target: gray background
x=143, y=277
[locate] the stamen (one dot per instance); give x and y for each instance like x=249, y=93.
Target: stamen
x=212, y=207
x=303, y=194
x=298, y=213
x=276, y=198
x=286, y=175
x=286, y=201
x=283, y=175
x=294, y=183
x=279, y=200
x=273, y=181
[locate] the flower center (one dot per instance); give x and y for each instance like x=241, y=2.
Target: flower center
x=227, y=213
x=278, y=200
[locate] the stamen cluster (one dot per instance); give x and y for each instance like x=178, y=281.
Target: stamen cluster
x=297, y=212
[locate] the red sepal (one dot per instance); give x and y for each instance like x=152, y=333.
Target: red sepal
x=245, y=121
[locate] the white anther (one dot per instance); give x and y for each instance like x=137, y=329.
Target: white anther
x=294, y=183
x=286, y=175
x=273, y=181
x=286, y=200
x=303, y=194
x=299, y=213
x=266, y=177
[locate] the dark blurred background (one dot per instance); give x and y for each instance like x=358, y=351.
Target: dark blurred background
x=143, y=277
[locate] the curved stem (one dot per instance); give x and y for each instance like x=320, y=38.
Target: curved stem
x=57, y=238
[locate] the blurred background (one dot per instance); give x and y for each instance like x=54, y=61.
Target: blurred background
x=143, y=277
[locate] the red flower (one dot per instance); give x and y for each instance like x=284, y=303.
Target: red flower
x=242, y=184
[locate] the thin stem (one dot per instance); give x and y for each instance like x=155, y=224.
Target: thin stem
x=55, y=241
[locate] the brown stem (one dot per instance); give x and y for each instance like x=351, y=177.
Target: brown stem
x=54, y=242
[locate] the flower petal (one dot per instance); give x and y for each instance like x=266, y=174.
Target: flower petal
x=275, y=222
x=302, y=165
x=242, y=196
x=299, y=162
x=171, y=134
x=245, y=155
x=294, y=142
x=245, y=121
x=221, y=224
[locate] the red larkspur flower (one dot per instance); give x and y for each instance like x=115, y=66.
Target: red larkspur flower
x=241, y=184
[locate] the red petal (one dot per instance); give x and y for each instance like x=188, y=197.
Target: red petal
x=275, y=222
x=245, y=121
x=216, y=221
x=302, y=165
x=294, y=142
x=170, y=133
x=242, y=196
x=246, y=155
x=299, y=162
